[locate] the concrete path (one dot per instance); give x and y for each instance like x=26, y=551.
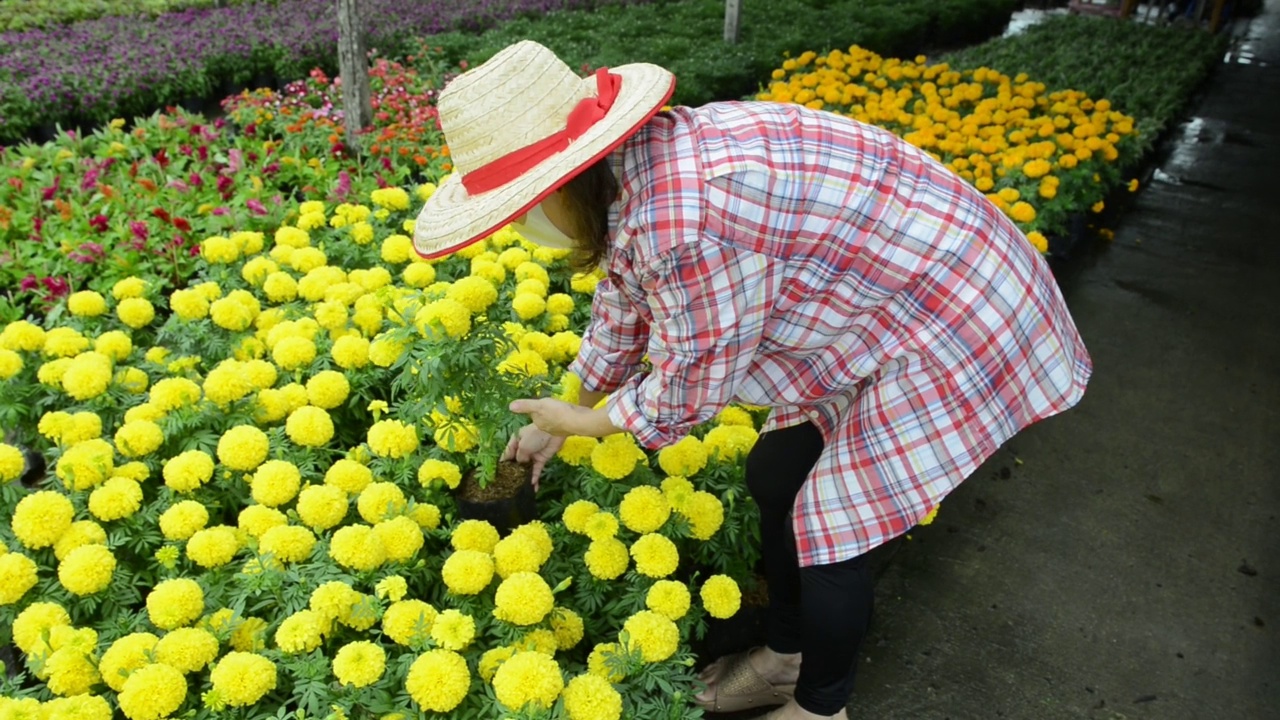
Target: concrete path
x=1123, y=560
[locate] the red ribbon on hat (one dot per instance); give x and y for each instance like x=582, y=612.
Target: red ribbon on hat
x=584, y=115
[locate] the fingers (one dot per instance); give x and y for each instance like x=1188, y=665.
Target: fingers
x=524, y=407
x=512, y=445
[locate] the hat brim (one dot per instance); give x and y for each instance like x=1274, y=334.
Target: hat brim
x=452, y=218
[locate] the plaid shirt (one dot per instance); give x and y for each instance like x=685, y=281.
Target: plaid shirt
x=773, y=255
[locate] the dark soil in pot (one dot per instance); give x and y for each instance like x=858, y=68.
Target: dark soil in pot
x=506, y=502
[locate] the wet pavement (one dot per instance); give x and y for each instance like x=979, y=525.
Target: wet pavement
x=1123, y=560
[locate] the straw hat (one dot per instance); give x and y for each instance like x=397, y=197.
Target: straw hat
x=521, y=125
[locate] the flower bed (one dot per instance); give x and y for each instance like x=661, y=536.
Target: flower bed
x=91, y=71
x=1038, y=155
x=42, y=13
x=250, y=509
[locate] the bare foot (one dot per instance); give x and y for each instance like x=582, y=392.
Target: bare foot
x=792, y=711
x=775, y=668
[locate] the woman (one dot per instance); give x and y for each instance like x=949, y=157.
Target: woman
x=898, y=324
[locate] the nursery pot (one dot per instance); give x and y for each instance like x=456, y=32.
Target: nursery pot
x=34, y=467
x=506, y=502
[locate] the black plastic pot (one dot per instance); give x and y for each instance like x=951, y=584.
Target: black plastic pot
x=35, y=468
x=505, y=514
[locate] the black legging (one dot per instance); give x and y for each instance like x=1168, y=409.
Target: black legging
x=821, y=611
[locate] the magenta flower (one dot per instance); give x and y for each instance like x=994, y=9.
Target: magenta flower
x=257, y=207
x=29, y=283
x=98, y=223
x=139, y=230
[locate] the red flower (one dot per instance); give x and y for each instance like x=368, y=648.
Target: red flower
x=162, y=158
x=161, y=213
x=29, y=283
x=99, y=223
x=56, y=286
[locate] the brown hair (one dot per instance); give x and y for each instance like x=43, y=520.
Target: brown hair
x=586, y=200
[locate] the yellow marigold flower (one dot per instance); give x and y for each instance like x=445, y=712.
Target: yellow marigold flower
x=188, y=471
x=528, y=677
x=1022, y=212
x=391, y=198
x=401, y=538
x=10, y=364
x=41, y=518
x=684, y=458
x=576, y=515
x=426, y=515
x=438, y=680
x=85, y=464
x=12, y=463
x=668, y=598
x=321, y=507
x=250, y=636
x=721, y=596
x=309, y=426
x=135, y=312
x=468, y=572
x=655, y=635
x=528, y=306
x=328, y=389
x=241, y=678
x=183, y=519
x=187, y=649
x=604, y=661
x=349, y=476
x=730, y=443
x=293, y=353
x=616, y=456
x=51, y=373
x=516, y=553
x=474, y=535
x=524, y=362
x=220, y=250
x=17, y=576
x=361, y=233
x=86, y=303
x=280, y=287
x=602, y=525
x=138, y=438
x=567, y=626
x=133, y=380
x=292, y=237
x=87, y=376
x=1039, y=241
x=173, y=393
x=644, y=509
x=275, y=482
x=408, y=622
x=734, y=415
x=175, y=603
x=87, y=569
x=392, y=439
x=350, y=352
x=71, y=672
x=243, y=448
x=418, y=274
x=126, y=654
x=335, y=601
x=607, y=558
x=213, y=547
x=432, y=471
x=474, y=293
x=523, y=599
x=359, y=664
x=38, y=618
x=392, y=587
x=453, y=630
x=114, y=344
x=442, y=319
x=64, y=342
x=705, y=514
x=256, y=520
x=655, y=555
x=287, y=543
x=116, y=499
x=1098, y=207
x=131, y=286
x=357, y=547
x=591, y=697
x=22, y=335
x=492, y=659
x=930, y=516
x=152, y=692
x=301, y=632
x=380, y=501
x=136, y=471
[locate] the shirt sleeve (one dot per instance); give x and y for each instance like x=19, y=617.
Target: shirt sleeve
x=709, y=306
x=614, y=342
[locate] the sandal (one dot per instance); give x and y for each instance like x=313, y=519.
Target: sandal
x=739, y=687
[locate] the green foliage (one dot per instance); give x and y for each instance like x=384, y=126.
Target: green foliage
x=1145, y=71
x=686, y=36
x=28, y=14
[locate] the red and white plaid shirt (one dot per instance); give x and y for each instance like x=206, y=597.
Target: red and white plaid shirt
x=774, y=255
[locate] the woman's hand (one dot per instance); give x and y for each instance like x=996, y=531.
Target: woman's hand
x=552, y=416
x=533, y=445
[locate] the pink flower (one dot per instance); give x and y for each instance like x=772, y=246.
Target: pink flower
x=29, y=283
x=98, y=223
x=194, y=179
x=56, y=286
x=47, y=193
x=222, y=211
x=235, y=159
x=257, y=207
x=139, y=230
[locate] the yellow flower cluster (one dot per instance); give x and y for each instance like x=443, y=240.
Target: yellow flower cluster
x=1008, y=136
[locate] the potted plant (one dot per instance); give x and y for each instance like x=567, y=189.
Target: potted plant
x=464, y=371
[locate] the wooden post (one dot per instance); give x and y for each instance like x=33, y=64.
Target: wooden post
x=731, y=11
x=353, y=66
